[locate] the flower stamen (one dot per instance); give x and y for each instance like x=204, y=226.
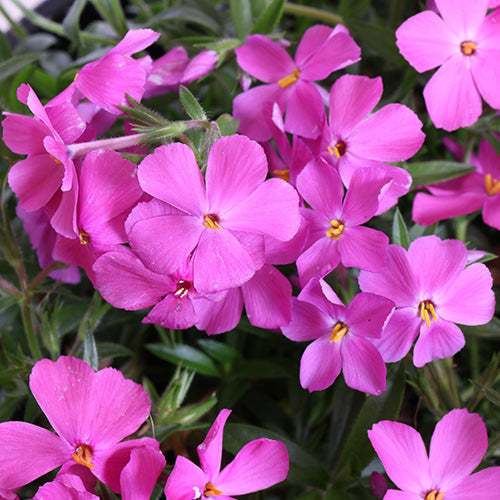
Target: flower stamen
x=183, y=287
x=426, y=307
x=492, y=185
x=212, y=221
x=339, y=330
x=282, y=174
x=434, y=495
x=84, y=238
x=336, y=230
x=289, y=79
x=468, y=48
x=83, y=455
x=338, y=150
x=211, y=491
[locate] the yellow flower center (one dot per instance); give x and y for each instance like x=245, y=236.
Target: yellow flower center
x=211, y=491
x=338, y=150
x=282, y=174
x=83, y=455
x=339, y=330
x=468, y=48
x=289, y=79
x=492, y=185
x=84, y=238
x=336, y=230
x=426, y=311
x=434, y=495
x=212, y=221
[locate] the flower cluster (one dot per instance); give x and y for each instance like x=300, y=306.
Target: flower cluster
x=91, y=413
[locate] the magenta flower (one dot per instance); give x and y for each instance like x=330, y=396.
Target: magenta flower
x=48, y=170
x=342, y=338
x=106, y=82
x=355, y=138
x=463, y=42
x=457, y=447
x=213, y=219
x=433, y=288
x=174, y=69
x=108, y=189
x=90, y=412
x=336, y=233
x=289, y=82
x=258, y=465
x=64, y=487
x=464, y=195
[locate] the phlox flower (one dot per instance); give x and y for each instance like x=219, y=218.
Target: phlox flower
x=342, y=338
x=479, y=190
x=258, y=465
x=355, y=137
x=433, y=288
x=106, y=81
x=457, y=447
x=215, y=218
x=48, y=170
x=290, y=82
x=463, y=41
x=335, y=222
x=91, y=412
x=108, y=189
x=174, y=69
x=64, y=487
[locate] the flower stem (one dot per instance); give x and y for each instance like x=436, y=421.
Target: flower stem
x=312, y=12
x=28, y=328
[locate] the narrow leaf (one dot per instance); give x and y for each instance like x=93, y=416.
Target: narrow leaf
x=71, y=21
x=241, y=14
x=14, y=64
x=191, y=105
x=400, y=231
x=90, y=348
x=431, y=172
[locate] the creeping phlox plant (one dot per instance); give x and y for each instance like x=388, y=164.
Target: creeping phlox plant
x=282, y=220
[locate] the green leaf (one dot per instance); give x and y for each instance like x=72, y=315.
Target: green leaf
x=71, y=21
x=358, y=451
x=490, y=394
x=187, y=356
x=348, y=8
x=304, y=467
x=90, y=348
x=241, y=14
x=220, y=351
x=270, y=18
x=191, y=105
x=400, y=234
x=14, y=64
x=228, y=125
x=259, y=369
x=379, y=38
x=431, y=172
x=188, y=14
x=112, y=350
x=489, y=331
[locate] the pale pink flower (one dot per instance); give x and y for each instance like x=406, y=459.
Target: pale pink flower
x=457, y=447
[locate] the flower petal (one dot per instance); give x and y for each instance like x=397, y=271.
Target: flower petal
x=186, y=481
x=28, y=452
x=258, y=465
x=458, y=445
x=398, y=445
x=484, y=484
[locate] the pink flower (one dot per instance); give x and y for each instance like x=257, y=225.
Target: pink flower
x=90, y=412
x=336, y=233
x=258, y=465
x=289, y=82
x=464, y=195
x=433, y=288
x=356, y=138
x=174, y=69
x=342, y=338
x=48, y=173
x=108, y=191
x=457, y=447
x=463, y=42
x=210, y=221
x=106, y=82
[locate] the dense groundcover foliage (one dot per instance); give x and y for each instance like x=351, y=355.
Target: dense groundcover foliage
x=248, y=250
